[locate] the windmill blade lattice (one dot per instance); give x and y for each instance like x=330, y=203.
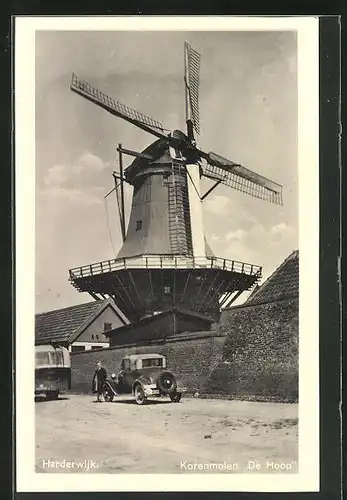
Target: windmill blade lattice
x=193, y=78
x=115, y=107
x=242, y=179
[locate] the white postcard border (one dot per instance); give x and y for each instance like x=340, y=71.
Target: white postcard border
x=307, y=479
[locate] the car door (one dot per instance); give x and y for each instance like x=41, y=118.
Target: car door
x=126, y=377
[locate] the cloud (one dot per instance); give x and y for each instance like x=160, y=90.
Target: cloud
x=56, y=176
x=87, y=171
x=281, y=229
x=214, y=237
x=275, y=234
x=241, y=251
x=279, y=233
x=92, y=162
x=239, y=234
x=84, y=182
x=249, y=246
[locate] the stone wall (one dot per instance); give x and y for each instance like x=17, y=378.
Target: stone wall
x=253, y=355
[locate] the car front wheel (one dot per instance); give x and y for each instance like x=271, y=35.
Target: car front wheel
x=140, y=396
x=175, y=397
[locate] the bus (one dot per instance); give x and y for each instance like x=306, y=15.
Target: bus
x=52, y=371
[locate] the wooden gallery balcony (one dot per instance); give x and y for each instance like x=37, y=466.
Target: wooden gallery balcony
x=146, y=284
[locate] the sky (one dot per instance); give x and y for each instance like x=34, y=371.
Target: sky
x=248, y=113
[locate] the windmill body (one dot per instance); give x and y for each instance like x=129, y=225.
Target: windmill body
x=166, y=213
x=160, y=220
x=165, y=261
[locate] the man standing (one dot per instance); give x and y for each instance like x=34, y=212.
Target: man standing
x=99, y=378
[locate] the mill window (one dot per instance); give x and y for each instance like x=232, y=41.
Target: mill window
x=138, y=225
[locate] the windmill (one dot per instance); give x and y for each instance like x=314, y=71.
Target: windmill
x=165, y=261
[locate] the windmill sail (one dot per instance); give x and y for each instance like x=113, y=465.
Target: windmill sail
x=238, y=177
x=84, y=89
x=192, y=77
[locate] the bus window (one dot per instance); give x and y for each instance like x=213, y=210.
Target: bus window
x=42, y=358
x=60, y=358
x=56, y=358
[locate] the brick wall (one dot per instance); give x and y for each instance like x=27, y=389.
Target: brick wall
x=192, y=357
x=261, y=351
x=253, y=355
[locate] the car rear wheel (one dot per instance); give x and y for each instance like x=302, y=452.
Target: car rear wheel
x=140, y=396
x=167, y=383
x=175, y=397
x=108, y=396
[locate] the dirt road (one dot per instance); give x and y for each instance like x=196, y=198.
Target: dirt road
x=76, y=434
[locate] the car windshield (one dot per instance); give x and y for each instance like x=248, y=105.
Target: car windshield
x=152, y=362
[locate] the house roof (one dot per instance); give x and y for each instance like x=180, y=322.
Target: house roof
x=64, y=325
x=282, y=284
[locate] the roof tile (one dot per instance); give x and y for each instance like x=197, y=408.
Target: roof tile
x=282, y=284
x=59, y=325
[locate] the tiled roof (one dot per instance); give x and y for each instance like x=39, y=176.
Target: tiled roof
x=282, y=284
x=62, y=324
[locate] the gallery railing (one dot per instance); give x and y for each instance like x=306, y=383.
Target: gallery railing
x=164, y=262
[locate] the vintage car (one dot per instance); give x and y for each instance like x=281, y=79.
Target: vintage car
x=144, y=375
